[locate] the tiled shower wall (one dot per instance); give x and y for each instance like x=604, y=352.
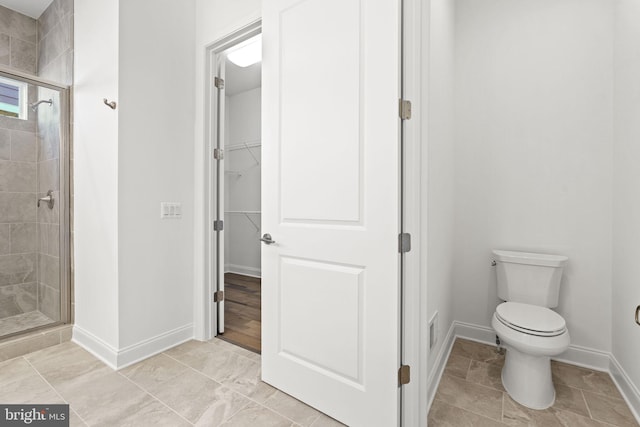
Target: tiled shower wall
x=55, y=62
x=18, y=175
x=29, y=162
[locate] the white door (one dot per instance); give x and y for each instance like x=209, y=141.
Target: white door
x=220, y=183
x=330, y=289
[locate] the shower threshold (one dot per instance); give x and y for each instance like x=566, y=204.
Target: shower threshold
x=22, y=322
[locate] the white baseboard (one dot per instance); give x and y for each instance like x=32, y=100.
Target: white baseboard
x=118, y=359
x=243, y=270
x=152, y=346
x=95, y=346
x=438, y=367
x=629, y=391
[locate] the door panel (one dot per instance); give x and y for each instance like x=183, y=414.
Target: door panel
x=331, y=202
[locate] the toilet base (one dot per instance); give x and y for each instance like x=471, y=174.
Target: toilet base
x=527, y=379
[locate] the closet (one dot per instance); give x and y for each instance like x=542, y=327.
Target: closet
x=241, y=194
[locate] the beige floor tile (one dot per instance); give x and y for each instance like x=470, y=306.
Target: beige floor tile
x=475, y=398
x=254, y=415
x=584, y=379
x=102, y=396
x=156, y=370
x=292, y=408
x=457, y=366
x=517, y=415
x=75, y=420
x=570, y=399
x=486, y=374
x=192, y=394
x=261, y=392
x=65, y=362
x=30, y=389
x=444, y=415
x=325, y=421
x=147, y=413
x=609, y=409
x=477, y=351
x=14, y=370
x=236, y=349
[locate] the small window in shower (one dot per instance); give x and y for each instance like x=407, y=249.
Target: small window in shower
x=13, y=98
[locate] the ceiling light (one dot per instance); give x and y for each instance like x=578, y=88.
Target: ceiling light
x=247, y=53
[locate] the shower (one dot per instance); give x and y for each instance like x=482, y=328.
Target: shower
x=34, y=105
x=34, y=205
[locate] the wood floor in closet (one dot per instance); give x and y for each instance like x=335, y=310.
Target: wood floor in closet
x=242, y=325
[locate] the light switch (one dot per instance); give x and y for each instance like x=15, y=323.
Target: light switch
x=170, y=210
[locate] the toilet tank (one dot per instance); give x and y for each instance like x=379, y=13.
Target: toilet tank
x=528, y=277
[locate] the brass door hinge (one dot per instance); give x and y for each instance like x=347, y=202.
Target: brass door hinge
x=405, y=109
x=404, y=375
x=218, y=296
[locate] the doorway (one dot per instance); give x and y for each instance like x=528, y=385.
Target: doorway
x=238, y=193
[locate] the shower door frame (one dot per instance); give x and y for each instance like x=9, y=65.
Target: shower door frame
x=64, y=198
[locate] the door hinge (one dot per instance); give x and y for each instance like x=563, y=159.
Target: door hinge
x=404, y=375
x=218, y=82
x=405, y=109
x=218, y=225
x=218, y=296
x=404, y=242
x=218, y=153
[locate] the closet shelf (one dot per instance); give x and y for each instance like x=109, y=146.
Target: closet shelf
x=246, y=215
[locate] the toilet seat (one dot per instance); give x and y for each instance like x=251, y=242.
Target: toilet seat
x=531, y=319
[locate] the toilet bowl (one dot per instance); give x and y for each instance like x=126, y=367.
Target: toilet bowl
x=531, y=335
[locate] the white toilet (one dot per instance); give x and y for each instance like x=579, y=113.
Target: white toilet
x=528, y=329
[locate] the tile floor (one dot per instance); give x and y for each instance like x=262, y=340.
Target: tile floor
x=471, y=394
x=204, y=384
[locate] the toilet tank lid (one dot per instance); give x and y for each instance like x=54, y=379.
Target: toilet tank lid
x=530, y=258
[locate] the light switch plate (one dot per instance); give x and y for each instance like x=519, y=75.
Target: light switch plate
x=170, y=210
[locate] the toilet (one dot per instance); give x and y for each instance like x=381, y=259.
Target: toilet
x=528, y=329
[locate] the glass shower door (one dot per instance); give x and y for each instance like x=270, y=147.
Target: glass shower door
x=34, y=253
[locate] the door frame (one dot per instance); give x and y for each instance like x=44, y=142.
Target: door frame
x=209, y=316
x=414, y=345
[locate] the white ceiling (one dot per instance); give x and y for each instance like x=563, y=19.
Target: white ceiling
x=32, y=8
x=239, y=79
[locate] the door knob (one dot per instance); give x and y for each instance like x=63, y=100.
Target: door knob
x=266, y=238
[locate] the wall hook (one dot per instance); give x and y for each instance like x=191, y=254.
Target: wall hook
x=111, y=104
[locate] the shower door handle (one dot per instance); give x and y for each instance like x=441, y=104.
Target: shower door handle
x=48, y=198
x=638, y=315
x=266, y=238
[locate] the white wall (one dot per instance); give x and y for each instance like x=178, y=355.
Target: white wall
x=214, y=20
x=242, y=192
x=439, y=170
x=533, y=158
x=95, y=154
x=155, y=162
x=626, y=224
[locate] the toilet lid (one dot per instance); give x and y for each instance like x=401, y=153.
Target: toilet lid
x=531, y=319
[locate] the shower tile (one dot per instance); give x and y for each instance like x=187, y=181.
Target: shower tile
x=15, y=269
x=23, y=27
x=23, y=146
x=48, y=146
x=48, y=175
x=17, y=207
x=49, y=271
x=49, y=239
x=17, y=176
x=5, y=239
x=17, y=124
x=5, y=49
x=18, y=299
x=5, y=144
x=23, y=238
x=49, y=301
x=60, y=69
x=57, y=40
x=23, y=55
